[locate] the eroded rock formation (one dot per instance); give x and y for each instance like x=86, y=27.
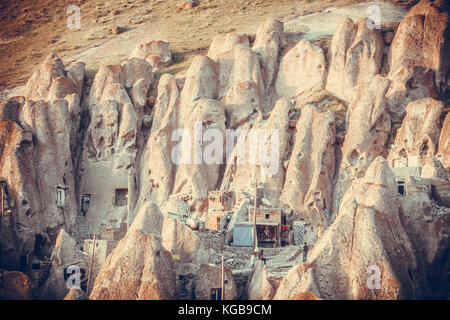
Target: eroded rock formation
x=139, y=267
x=378, y=232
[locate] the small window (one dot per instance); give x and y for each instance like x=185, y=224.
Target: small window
x=401, y=188
x=60, y=197
x=121, y=197
x=85, y=202
x=267, y=216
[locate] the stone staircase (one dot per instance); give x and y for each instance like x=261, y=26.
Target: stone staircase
x=281, y=259
x=82, y=228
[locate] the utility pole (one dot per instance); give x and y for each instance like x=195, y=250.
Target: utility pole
x=129, y=195
x=254, y=218
x=90, y=266
x=223, y=278
x=3, y=229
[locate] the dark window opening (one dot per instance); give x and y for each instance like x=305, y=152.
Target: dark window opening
x=216, y=294
x=267, y=216
x=24, y=262
x=61, y=196
x=121, y=197
x=40, y=245
x=85, y=202
x=401, y=188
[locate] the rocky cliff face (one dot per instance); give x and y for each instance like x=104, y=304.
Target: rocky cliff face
x=375, y=232
x=419, y=134
x=152, y=276
x=369, y=127
x=307, y=188
x=350, y=136
x=117, y=106
x=40, y=133
x=354, y=58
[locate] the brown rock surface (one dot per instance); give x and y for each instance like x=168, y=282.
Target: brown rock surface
x=15, y=285
x=444, y=143
x=157, y=53
x=240, y=84
x=66, y=254
x=354, y=58
x=307, y=188
x=76, y=294
x=258, y=286
x=180, y=240
x=113, y=138
x=301, y=69
x=198, y=172
x=409, y=84
x=269, y=41
x=369, y=127
x=200, y=84
x=42, y=146
x=210, y=276
x=373, y=231
x=418, y=136
x=255, y=163
x=139, y=267
x=423, y=39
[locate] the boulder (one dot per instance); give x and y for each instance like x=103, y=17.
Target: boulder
x=224, y=43
x=52, y=81
x=118, y=29
x=168, y=98
x=43, y=146
x=186, y=4
x=156, y=52
x=367, y=233
x=240, y=84
x=157, y=176
x=377, y=247
x=148, y=220
x=200, y=84
x=40, y=141
x=17, y=169
x=15, y=286
x=113, y=137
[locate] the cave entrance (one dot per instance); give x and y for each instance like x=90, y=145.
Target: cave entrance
x=401, y=189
